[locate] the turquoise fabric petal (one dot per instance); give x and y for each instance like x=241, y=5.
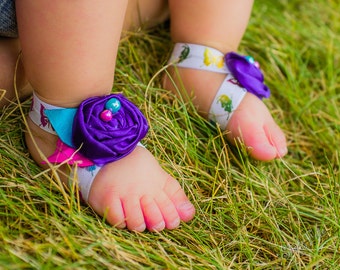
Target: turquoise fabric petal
x=62, y=122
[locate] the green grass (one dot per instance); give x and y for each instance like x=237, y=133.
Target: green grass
x=250, y=215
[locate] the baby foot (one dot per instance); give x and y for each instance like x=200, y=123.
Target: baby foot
x=133, y=192
x=251, y=122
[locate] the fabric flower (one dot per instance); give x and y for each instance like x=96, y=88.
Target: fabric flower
x=107, y=141
x=248, y=74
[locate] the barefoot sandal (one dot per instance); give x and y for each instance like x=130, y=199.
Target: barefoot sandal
x=243, y=75
x=100, y=131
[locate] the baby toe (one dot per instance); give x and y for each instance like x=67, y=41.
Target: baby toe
x=134, y=217
x=259, y=145
x=278, y=139
x=169, y=211
x=110, y=207
x=152, y=215
x=115, y=214
x=175, y=193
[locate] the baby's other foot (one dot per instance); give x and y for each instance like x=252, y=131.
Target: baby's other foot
x=251, y=122
x=135, y=192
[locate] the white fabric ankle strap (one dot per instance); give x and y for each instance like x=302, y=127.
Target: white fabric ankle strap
x=198, y=57
x=227, y=99
x=85, y=177
x=229, y=95
x=37, y=115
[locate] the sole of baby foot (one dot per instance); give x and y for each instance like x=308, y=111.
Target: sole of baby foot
x=253, y=125
x=137, y=194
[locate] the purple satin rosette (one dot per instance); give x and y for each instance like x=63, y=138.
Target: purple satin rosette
x=107, y=141
x=248, y=74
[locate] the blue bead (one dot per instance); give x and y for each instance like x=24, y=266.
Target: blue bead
x=250, y=59
x=113, y=105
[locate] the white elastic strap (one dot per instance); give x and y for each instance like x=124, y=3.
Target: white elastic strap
x=227, y=99
x=230, y=93
x=37, y=115
x=85, y=177
x=198, y=57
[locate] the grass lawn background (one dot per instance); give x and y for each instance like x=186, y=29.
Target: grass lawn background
x=250, y=215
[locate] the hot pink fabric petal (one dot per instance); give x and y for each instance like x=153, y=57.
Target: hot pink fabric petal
x=64, y=153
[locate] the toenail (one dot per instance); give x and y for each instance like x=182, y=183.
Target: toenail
x=140, y=228
x=186, y=206
x=121, y=225
x=160, y=226
x=283, y=151
x=174, y=224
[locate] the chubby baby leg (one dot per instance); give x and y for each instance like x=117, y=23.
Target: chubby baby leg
x=9, y=52
x=74, y=60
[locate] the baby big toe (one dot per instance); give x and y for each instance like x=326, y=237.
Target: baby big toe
x=259, y=144
x=184, y=207
x=277, y=138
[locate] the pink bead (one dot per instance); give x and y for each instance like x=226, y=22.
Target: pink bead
x=106, y=115
x=257, y=64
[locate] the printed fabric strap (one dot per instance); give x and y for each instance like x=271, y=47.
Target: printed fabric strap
x=85, y=177
x=198, y=57
x=37, y=115
x=230, y=93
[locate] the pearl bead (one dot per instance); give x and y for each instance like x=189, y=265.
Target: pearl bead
x=106, y=115
x=113, y=104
